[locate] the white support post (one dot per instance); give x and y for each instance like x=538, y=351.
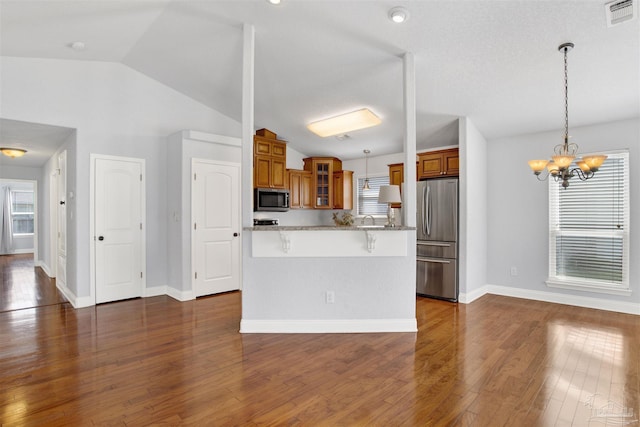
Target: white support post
x=248, y=91
x=409, y=106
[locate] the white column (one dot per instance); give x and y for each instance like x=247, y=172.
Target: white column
x=409, y=106
x=248, y=91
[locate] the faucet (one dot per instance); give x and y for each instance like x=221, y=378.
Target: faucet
x=373, y=220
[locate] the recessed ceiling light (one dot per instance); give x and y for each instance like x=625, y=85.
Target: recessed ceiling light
x=398, y=14
x=77, y=46
x=344, y=123
x=274, y=1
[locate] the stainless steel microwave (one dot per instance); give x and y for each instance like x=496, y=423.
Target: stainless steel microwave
x=270, y=200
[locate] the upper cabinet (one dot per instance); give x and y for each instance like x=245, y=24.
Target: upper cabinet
x=438, y=164
x=343, y=190
x=396, y=177
x=269, y=160
x=300, y=189
x=322, y=169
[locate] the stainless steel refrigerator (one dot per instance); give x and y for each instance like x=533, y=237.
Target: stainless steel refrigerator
x=437, y=238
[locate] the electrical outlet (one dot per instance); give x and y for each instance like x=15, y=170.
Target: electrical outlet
x=330, y=297
x=514, y=271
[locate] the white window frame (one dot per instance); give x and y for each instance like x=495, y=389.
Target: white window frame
x=358, y=189
x=582, y=284
x=17, y=214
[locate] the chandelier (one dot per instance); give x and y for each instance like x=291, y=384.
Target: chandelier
x=559, y=167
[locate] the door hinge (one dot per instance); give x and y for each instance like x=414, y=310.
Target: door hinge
x=195, y=226
x=141, y=274
x=140, y=226
x=196, y=274
x=194, y=176
x=140, y=177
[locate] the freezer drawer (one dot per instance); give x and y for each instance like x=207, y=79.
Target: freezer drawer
x=432, y=249
x=437, y=277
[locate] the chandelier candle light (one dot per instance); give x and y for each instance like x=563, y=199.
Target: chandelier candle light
x=559, y=167
x=366, y=187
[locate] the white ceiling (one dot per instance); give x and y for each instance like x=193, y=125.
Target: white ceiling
x=40, y=141
x=493, y=61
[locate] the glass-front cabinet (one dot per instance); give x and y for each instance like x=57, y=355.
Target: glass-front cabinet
x=322, y=169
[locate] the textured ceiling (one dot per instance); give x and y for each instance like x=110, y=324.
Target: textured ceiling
x=493, y=61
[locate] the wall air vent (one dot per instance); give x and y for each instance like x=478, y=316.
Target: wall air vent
x=620, y=11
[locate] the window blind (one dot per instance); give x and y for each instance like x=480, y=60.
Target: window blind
x=589, y=226
x=22, y=207
x=368, y=200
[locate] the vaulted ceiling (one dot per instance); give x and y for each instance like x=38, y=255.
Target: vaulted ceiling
x=494, y=61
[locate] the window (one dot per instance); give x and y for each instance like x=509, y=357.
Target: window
x=368, y=200
x=589, y=230
x=22, y=212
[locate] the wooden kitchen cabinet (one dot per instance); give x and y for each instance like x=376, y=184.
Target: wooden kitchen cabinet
x=437, y=164
x=269, y=160
x=300, y=189
x=322, y=169
x=343, y=189
x=396, y=177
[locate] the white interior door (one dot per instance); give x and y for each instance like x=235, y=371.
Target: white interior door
x=61, y=259
x=215, y=198
x=118, y=235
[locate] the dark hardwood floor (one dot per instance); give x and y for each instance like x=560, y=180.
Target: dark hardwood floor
x=24, y=286
x=155, y=361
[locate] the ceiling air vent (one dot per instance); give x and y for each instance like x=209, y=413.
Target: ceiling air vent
x=620, y=11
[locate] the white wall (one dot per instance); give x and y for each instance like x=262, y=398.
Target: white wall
x=518, y=206
x=473, y=210
x=116, y=111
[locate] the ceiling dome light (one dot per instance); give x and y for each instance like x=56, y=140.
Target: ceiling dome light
x=398, y=14
x=78, y=46
x=274, y=1
x=13, y=152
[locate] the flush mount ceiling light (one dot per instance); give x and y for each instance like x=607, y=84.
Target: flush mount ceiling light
x=13, y=152
x=274, y=1
x=344, y=123
x=559, y=167
x=398, y=14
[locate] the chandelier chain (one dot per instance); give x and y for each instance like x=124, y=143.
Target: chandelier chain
x=566, y=98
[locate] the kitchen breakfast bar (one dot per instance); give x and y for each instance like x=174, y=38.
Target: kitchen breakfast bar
x=319, y=279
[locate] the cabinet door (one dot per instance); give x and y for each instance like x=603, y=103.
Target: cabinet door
x=278, y=149
x=262, y=171
x=261, y=148
x=295, y=187
x=396, y=177
x=343, y=189
x=431, y=165
x=451, y=163
x=306, y=190
x=278, y=172
x=323, y=183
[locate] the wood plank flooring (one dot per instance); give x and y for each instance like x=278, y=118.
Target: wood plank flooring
x=496, y=362
x=24, y=286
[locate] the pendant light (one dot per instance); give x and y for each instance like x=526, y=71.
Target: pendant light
x=366, y=170
x=559, y=167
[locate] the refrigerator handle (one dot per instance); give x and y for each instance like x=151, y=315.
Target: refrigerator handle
x=428, y=209
x=424, y=210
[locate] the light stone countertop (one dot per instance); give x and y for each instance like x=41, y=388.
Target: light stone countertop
x=325, y=228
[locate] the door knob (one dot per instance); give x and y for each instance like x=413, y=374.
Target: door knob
x=101, y=238
x=235, y=234
x=62, y=202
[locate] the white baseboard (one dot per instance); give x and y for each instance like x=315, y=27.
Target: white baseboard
x=250, y=326
x=179, y=295
x=568, y=299
x=43, y=265
x=76, y=302
x=469, y=297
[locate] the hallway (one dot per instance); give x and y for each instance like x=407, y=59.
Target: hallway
x=23, y=286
